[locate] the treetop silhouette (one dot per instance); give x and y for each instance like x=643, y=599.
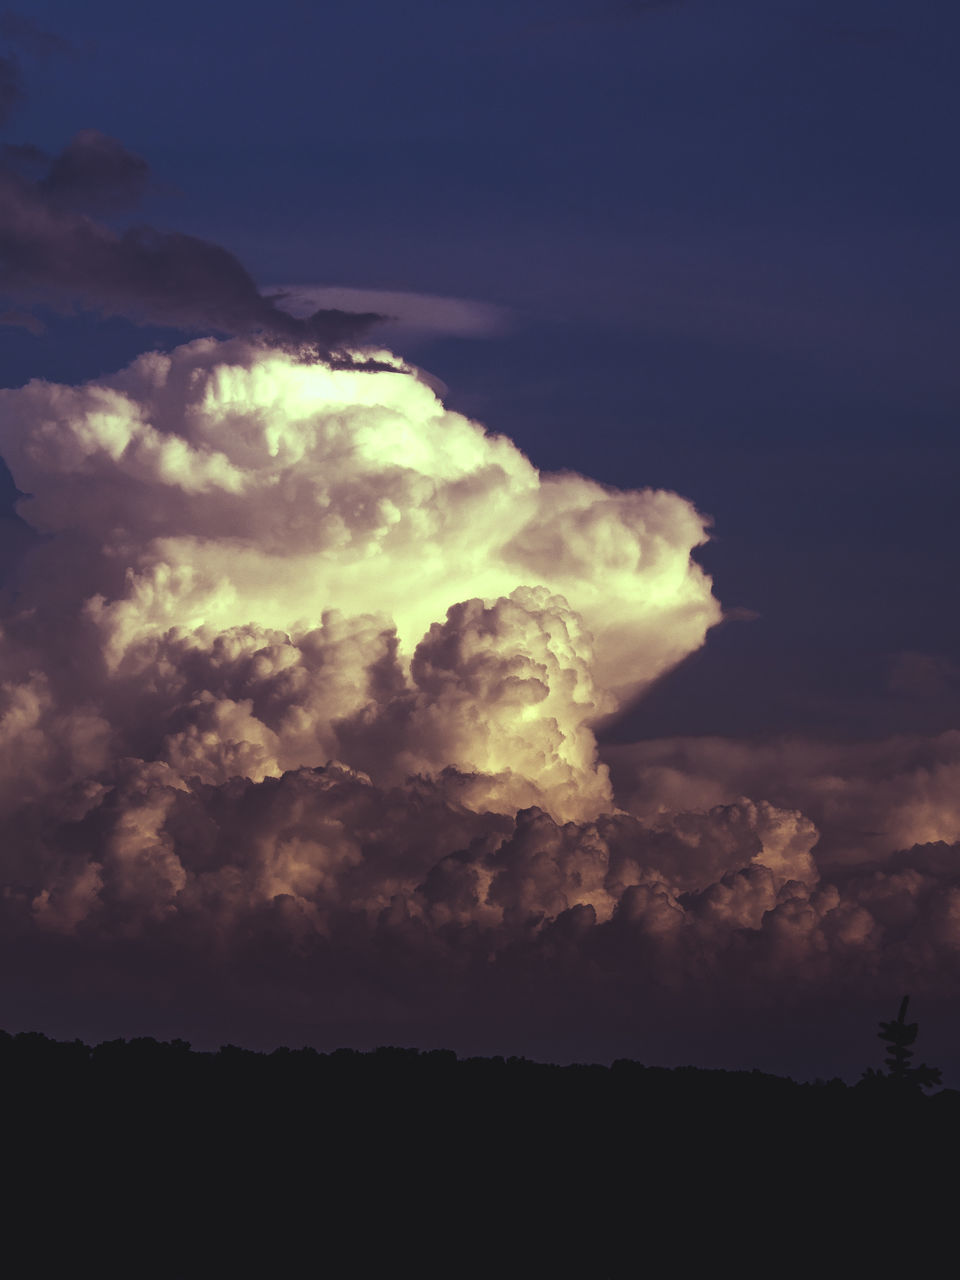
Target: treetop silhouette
x=899, y=1035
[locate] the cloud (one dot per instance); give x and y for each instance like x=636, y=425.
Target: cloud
x=869, y=800
x=418, y=314
x=15, y=318
x=50, y=252
x=298, y=697
x=33, y=39
x=56, y=250
x=922, y=675
x=53, y=252
x=95, y=172
x=236, y=483
x=253, y=562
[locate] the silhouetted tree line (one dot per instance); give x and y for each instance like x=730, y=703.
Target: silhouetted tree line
x=397, y=1160
x=389, y=1073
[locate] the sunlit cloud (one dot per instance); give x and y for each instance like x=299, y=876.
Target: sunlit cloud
x=300, y=691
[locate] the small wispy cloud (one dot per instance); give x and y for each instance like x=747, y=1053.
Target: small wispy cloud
x=420, y=314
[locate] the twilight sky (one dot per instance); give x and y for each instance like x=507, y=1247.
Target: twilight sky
x=701, y=247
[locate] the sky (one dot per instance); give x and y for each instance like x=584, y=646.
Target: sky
x=692, y=265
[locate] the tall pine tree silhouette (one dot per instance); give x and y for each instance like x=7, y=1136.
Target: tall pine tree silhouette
x=898, y=1036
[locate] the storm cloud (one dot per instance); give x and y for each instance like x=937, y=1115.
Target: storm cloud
x=301, y=685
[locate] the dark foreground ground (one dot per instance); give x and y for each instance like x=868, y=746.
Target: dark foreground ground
x=138, y=1158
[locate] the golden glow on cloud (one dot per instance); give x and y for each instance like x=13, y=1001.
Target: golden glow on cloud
x=309, y=669
x=230, y=486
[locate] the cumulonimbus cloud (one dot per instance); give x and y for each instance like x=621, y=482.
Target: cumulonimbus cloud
x=300, y=688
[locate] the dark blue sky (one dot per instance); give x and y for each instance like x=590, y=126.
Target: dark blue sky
x=724, y=233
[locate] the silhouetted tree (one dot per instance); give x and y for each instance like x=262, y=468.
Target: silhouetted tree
x=898, y=1036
